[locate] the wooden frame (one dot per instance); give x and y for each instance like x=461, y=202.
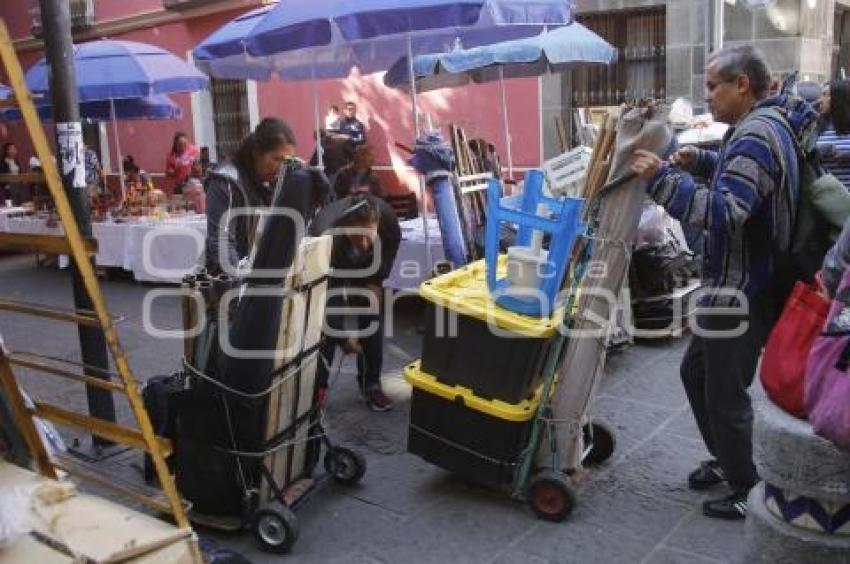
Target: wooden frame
x=79, y=250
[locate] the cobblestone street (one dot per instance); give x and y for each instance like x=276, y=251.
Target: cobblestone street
x=634, y=508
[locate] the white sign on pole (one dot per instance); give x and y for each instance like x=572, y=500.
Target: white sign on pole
x=69, y=140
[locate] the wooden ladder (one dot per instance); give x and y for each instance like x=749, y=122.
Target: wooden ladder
x=122, y=381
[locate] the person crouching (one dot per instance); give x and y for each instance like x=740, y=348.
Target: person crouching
x=366, y=236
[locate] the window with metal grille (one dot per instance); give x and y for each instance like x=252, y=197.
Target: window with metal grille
x=230, y=114
x=82, y=15
x=639, y=35
x=841, y=43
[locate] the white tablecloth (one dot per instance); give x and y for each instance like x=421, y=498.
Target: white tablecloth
x=8, y=213
x=165, y=251
x=411, y=264
x=153, y=250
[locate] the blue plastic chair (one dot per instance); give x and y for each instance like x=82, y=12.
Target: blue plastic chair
x=564, y=226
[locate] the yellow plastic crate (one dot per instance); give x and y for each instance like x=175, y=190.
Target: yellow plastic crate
x=465, y=291
x=518, y=412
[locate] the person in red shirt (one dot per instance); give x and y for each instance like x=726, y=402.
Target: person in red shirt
x=178, y=163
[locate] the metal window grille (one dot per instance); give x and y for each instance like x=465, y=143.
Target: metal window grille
x=841, y=44
x=82, y=15
x=230, y=114
x=640, y=39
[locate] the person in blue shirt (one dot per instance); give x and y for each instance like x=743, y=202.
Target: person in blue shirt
x=747, y=211
x=834, y=140
x=352, y=127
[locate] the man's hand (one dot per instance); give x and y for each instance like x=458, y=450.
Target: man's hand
x=646, y=164
x=684, y=157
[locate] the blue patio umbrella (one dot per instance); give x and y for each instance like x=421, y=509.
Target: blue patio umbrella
x=157, y=106
x=553, y=51
x=302, y=39
x=223, y=54
x=110, y=70
x=371, y=33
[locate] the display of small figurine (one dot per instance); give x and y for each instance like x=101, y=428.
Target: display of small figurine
x=138, y=193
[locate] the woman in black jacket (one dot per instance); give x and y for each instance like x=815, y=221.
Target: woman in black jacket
x=247, y=184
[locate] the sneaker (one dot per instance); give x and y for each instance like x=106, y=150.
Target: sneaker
x=732, y=507
x=376, y=400
x=708, y=474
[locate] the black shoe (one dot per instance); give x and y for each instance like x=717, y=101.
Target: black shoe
x=708, y=475
x=732, y=507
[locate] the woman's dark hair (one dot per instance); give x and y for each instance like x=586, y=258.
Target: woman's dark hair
x=6, y=147
x=270, y=134
x=839, y=106
x=176, y=138
x=360, y=211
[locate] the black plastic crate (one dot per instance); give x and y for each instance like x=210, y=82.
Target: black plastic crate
x=480, y=441
x=507, y=368
x=496, y=353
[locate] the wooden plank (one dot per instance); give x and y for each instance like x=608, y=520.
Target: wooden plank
x=23, y=416
x=104, y=429
x=562, y=134
x=294, y=397
x=137, y=492
x=49, y=313
x=47, y=244
x=85, y=267
x=22, y=178
x=618, y=218
x=19, y=360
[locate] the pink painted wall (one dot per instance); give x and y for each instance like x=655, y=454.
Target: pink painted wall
x=386, y=112
x=17, y=17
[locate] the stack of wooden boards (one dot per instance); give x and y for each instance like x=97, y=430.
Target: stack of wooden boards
x=68, y=526
x=293, y=399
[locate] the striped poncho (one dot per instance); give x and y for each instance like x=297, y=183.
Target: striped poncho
x=748, y=209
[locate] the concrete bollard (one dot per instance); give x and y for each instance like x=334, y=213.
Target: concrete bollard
x=800, y=513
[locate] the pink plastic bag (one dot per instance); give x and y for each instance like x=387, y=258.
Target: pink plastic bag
x=827, y=384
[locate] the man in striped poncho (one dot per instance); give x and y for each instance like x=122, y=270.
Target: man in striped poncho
x=747, y=213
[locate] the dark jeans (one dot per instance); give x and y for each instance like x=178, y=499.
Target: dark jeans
x=716, y=372
x=370, y=360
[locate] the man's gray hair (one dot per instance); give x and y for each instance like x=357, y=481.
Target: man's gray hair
x=730, y=62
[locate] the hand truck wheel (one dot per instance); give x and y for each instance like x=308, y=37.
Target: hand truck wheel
x=346, y=466
x=275, y=527
x=551, y=496
x=602, y=443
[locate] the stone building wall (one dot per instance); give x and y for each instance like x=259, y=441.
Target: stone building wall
x=793, y=34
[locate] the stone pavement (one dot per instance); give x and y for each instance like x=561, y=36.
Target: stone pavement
x=635, y=508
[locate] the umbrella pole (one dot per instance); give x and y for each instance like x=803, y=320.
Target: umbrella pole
x=422, y=195
x=315, y=91
x=505, y=122
x=120, y=160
